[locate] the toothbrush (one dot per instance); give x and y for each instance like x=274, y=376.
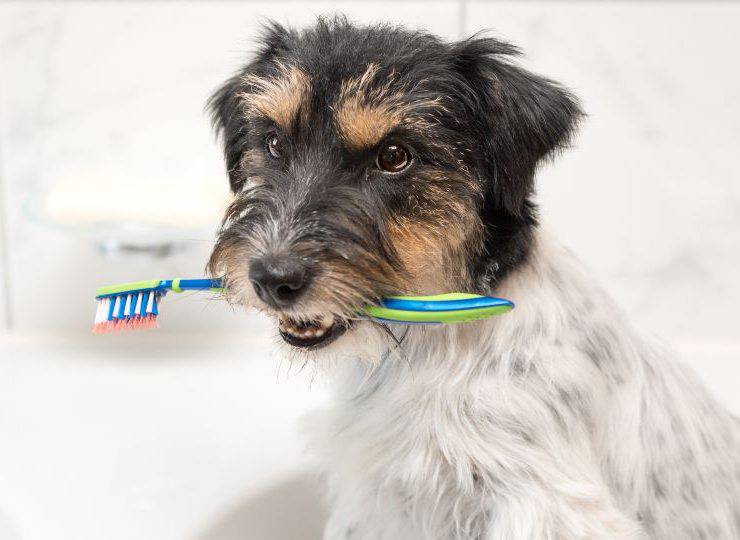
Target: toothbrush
x=136, y=305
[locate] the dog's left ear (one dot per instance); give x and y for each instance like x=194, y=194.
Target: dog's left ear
x=521, y=119
x=226, y=106
x=227, y=119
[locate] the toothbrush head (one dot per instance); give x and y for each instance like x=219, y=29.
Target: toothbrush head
x=128, y=306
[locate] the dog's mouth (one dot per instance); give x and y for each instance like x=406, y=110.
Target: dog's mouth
x=311, y=334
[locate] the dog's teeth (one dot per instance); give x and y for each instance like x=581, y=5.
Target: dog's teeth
x=316, y=328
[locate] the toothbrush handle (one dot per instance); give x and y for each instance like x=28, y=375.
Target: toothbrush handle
x=179, y=285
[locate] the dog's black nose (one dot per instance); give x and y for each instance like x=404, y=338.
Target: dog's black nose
x=278, y=281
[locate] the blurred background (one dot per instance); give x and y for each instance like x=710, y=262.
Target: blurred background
x=109, y=172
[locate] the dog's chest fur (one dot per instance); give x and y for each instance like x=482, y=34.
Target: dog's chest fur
x=554, y=421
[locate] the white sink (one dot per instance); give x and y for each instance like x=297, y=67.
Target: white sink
x=153, y=436
x=165, y=437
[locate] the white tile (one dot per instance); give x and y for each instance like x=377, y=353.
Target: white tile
x=650, y=194
x=114, y=92
x=3, y=282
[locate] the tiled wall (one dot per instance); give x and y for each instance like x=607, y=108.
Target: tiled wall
x=649, y=196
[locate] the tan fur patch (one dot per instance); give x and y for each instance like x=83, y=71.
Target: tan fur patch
x=424, y=251
x=364, y=126
x=279, y=98
x=434, y=243
x=366, y=115
x=342, y=287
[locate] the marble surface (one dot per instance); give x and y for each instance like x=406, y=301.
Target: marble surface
x=649, y=196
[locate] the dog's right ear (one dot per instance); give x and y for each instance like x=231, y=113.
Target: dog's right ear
x=519, y=120
x=521, y=117
x=226, y=107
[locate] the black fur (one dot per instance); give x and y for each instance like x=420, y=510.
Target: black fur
x=522, y=119
x=498, y=123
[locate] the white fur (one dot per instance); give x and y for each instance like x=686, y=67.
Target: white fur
x=555, y=421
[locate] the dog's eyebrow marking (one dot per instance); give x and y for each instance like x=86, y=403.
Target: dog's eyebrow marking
x=277, y=97
x=364, y=126
x=366, y=114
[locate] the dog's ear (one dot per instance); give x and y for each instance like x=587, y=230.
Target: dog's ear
x=226, y=106
x=521, y=119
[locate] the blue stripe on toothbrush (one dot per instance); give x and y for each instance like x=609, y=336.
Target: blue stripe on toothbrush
x=411, y=304
x=110, y=308
x=144, y=302
x=121, y=307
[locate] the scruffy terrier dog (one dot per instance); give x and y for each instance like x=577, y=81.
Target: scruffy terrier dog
x=372, y=161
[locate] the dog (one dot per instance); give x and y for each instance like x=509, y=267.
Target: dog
x=368, y=161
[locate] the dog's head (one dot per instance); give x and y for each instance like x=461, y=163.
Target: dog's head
x=371, y=161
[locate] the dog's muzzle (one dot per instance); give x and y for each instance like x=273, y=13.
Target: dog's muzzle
x=280, y=282
x=311, y=334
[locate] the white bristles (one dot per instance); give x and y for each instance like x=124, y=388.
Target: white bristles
x=109, y=320
x=101, y=315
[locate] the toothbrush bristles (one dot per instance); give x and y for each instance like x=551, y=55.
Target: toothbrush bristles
x=127, y=311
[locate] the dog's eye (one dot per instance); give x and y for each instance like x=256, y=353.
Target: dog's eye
x=393, y=158
x=274, y=147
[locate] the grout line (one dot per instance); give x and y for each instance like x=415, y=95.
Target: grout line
x=5, y=252
x=462, y=16
x=5, y=284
